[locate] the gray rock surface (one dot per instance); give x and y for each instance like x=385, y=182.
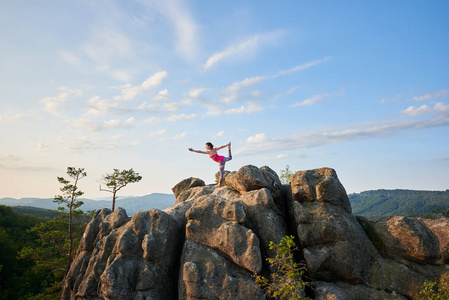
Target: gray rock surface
x=211, y=242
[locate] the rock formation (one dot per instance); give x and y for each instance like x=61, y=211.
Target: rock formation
x=211, y=242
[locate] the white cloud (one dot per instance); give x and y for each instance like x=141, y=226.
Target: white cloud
x=396, y=98
x=180, y=136
x=185, y=28
x=258, y=138
x=135, y=142
x=70, y=58
x=179, y=117
x=53, y=105
x=291, y=90
x=89, y=125
x=249, y=108
x=97, y=106
x=11, y=116
x=220, y=134
x=301, y=67
x=154, y=80
x=310, y=101
x=164, y=94
x=196, y=93
x=152, y=120
x=261, y=143
x=412, y=111
x=157, y=133
x=171, y=107
x=316, y=98
x=232, y=92
x=441, y=108
x=83, y=143
x=244, y=48
x=439, y=94
x=116, y=124
x=282, y=156
x=213, y=109
x=106, y=45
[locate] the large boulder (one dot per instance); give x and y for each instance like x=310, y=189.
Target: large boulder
x=264, y=218
x=334, y=245
x=250, y=178
x=216, y=223
x=131, y=260
x=320, y=185
x=187, y=184
x=419, y=240
x=344, y=291
x=207, y=274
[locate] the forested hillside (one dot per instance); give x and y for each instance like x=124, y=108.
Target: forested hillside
x=33, y=251
x=399, y=202
x=17, y=280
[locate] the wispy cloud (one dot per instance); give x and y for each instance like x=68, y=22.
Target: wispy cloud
x=135, y=142
x=83, y=143
x=11, y=115
x=219, y=134
x=261, y=143
x=233, y=92
x=317, y=98
x=184, y=26
x=311, y=101
x=53, y=105
x=438, y=108
x=244, y=48
x=157, y=133
x=93, y=126
x=106, y=44
x=164, y=94
x=180, y=136
x=97, y=106
x=182, y=116
x=439, y=94
x=416, y=111
x=301, y=67
x=244, y=109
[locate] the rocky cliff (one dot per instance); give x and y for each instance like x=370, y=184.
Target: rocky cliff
x=212, y=240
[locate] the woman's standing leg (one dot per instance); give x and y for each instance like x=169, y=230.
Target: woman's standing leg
x=221, y=170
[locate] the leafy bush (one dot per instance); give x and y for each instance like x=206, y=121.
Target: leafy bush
x=435, y=290
x=287, y=282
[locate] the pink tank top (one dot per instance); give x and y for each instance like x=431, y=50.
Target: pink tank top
x=216, y=157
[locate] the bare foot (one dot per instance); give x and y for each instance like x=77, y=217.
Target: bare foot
x=229, y=146
x=217, y=185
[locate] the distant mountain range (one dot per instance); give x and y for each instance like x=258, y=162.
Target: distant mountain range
x=131, y=204
x=399, y=203
x=368, y=203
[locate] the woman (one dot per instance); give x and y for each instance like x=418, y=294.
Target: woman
x=212, y=152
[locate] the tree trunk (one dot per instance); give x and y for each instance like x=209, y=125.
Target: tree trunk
x=69, y=260
x=113, y=200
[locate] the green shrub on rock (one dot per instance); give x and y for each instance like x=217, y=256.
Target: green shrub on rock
x=287, y=282
x=435, y=290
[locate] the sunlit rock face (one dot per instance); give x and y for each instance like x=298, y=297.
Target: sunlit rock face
x=212, y=241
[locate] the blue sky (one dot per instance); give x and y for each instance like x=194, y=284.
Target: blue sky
x=359, y=87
